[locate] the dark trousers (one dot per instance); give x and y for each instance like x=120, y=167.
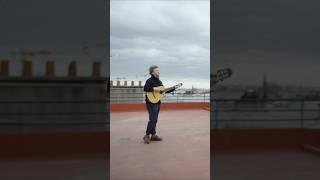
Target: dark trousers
x=153, y=110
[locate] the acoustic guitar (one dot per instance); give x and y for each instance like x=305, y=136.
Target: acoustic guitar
x=155, y=96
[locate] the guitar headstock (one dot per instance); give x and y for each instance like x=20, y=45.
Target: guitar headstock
x=178, y=85
x=221, y=75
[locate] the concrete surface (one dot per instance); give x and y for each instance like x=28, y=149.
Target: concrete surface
x=184, y=154
x=284, y=164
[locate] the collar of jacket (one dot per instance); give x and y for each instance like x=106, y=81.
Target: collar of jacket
x=154, y=77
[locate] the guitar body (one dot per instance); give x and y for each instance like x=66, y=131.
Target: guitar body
x=155, y=96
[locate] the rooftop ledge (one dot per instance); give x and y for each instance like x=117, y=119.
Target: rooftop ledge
x=13, y=79
x=129, y=107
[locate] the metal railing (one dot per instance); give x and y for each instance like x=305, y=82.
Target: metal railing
x=178, y=96
x=56, y=114
x=269, y=113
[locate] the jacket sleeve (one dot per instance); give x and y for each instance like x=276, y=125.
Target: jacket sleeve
x=147, y=87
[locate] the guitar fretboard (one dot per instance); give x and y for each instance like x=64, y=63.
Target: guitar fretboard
x=171, y=88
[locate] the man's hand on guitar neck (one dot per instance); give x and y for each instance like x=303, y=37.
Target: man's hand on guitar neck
x=159, y=88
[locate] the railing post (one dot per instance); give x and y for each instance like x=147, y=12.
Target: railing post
x=215, y=115
x=318, y=111
x=214, y=104
x=302, y=114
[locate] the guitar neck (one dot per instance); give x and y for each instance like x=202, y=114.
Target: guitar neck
x=169, y=89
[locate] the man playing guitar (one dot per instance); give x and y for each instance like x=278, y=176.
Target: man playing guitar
x=153, y=84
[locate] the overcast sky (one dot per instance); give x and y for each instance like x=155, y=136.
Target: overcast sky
x=175, y=35
x=59, y=26
x=279, y=38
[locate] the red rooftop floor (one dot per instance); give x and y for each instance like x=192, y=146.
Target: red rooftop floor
x=184, y=154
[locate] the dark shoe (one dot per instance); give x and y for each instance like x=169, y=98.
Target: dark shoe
x=156, y=138
x=146, y=139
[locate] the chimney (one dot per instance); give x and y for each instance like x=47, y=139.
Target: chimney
x=4, y=67
x=27, y=68
x=96, y=69
x=72, y=71
x=50, y=69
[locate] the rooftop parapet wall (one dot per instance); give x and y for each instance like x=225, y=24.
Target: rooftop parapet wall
x=126, y=92
x=51, y=68
x=128, y=107
x=116, y=84
x=224, y=140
